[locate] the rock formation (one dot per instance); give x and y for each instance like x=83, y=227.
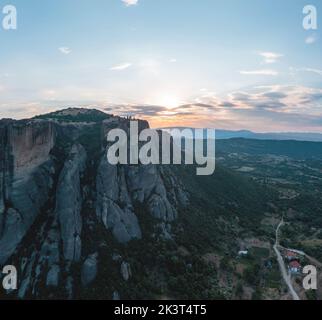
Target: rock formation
x=57, y=188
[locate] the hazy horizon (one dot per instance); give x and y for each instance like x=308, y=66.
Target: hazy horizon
x=178, y=127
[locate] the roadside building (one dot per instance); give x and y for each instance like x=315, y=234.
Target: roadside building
x=294, y=267
x=243, y=253
x=290, y=255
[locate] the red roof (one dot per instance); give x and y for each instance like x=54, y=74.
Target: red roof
x=291, y=254
x=295, y=264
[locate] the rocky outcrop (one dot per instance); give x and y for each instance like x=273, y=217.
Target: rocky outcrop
x=53, y=276
x=114, y=206
x=126, y=271
x=26, y=172
x=121, y=188
x=6, y=166
x=89, y=269
x=31, y=144
x=69, y=202
x=60, y=199
x=146, y=187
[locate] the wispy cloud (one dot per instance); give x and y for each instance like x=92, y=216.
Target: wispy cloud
x=310, y=39
x=121, y=67
x=173, y=60
x=65, y=50
x=142, y=110
x=313, y=70
x=270, y=106
x=262, y=72
x=270, y=57
x=287, y=99
x=317, y=71
x=129, y=3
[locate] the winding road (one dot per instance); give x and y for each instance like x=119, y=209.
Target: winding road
x=286, y=276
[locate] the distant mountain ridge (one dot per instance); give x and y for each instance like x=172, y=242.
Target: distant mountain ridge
x=230, y=134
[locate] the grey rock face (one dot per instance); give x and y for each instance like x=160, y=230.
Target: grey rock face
x=69, y=287
x=13, y=231
x=147, y=187
x=25, y=178
x=114, y=206
x=165, y=231
x=27, y=280
x=45, y=188
x=126, y=271
x=53, y=276
x=120, y=188
x=50, y=248
x=89, y=270
x=160, y=208
x=69, y=202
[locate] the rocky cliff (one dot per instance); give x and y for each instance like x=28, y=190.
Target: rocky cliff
x=58, y=194
x=26, y=172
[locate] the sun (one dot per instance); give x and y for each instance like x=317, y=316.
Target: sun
x=169, y=101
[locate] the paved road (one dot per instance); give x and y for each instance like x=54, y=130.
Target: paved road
x=314, y=261
x=286, y=276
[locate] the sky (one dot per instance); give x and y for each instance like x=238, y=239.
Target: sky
x=229, y=64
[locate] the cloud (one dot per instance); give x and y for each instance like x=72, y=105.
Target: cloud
x=240, y=96
x=129, y=3
x=121, y=67
x=274, y=95
x=227, y=104
x=198, y=105
x=65, y=50
x=173, y=60
x=269, y=105
x=316, y=71
x=284, y=99
x=136, y=110
x=262, y=72
x=311, y=97
x=311, y=39
x=270, y=57
x=158, y=112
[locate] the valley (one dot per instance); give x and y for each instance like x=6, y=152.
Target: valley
x=292, y=170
